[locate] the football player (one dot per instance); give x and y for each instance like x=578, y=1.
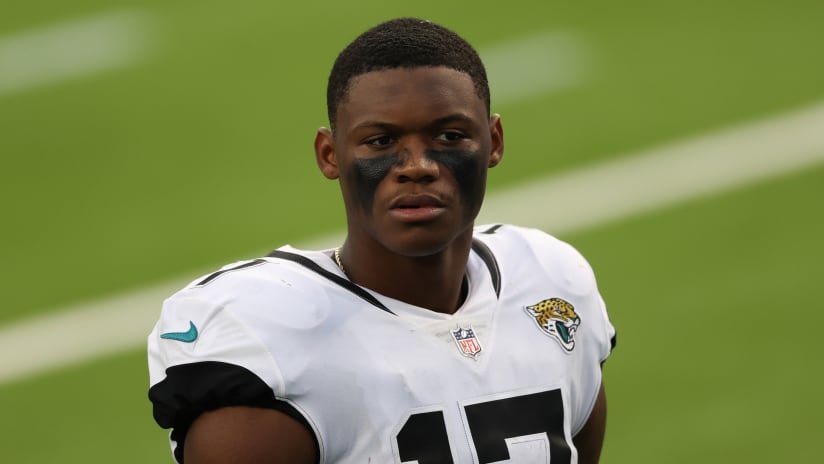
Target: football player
x=422, y=338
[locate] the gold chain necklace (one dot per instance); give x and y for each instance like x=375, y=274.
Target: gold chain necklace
x=339, y=262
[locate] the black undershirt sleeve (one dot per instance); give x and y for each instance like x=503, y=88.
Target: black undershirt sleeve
x=192, y=389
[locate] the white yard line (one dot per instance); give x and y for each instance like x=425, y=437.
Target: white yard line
x=660, y=177
x=72, y=49
x=583, y=198
x=535, y=64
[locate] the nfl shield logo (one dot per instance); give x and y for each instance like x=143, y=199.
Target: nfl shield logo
x=467, y=342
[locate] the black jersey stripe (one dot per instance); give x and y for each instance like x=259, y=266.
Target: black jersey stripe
x=492, y=229
x=217, y=274
x=491, y=263
x=345, y=283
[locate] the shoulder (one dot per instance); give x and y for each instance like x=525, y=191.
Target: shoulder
x=518, y=237
x=290, y=267
x=289, y=277
x=523, y=247
x=228, y=315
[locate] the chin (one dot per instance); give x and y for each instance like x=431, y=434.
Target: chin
x=424, y=240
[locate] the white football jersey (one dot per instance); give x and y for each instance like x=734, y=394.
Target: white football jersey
x=511, y=376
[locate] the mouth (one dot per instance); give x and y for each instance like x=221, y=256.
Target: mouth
x=562, y=331
x=416, y=208
x=416, y=201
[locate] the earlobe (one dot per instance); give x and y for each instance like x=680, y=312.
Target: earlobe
x=496, y=132
x=325, y=153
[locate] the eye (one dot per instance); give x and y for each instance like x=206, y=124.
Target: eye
x=380, y=141
x=450, y=136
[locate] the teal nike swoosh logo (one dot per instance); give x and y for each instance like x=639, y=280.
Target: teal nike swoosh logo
x=186, y=337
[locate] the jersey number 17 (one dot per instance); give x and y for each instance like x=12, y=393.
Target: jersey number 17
x=493, y=426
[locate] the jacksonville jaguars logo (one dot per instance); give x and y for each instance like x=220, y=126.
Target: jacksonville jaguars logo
x=558, y=319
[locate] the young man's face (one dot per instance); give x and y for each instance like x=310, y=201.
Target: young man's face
x=411, y=148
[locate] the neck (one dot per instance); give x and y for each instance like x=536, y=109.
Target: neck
x=434, y=281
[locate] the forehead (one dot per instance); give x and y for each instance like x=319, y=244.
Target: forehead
x=421, y=93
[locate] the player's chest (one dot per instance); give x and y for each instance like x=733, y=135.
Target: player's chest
x=426, y=389
x=526, y=339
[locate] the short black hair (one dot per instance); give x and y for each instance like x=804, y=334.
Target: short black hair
x=403, y=43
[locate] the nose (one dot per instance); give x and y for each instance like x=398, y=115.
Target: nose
x=414, y=165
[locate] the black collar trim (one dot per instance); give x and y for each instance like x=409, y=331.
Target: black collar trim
x=345, y=283
x=491, y=263
x=479, y=247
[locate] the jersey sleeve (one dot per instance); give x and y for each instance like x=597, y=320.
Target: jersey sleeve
x=610, y=335
x=202, y=358
x=571, y=270
x=566, y=274
x=598, y=317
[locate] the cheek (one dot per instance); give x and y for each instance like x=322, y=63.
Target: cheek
x=468, y=170
x=366, y=174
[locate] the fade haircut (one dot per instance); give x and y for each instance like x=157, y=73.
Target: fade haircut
x=403, y=43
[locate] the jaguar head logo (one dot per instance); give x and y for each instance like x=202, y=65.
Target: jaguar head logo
x=558, y=319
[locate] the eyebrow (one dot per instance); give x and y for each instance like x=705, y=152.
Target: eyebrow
x=375, y=124
x=456, y=117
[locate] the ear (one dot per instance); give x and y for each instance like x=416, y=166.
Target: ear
x=496, y=132
x=325, y=154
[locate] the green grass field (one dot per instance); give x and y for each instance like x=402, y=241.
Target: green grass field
x=200, y=153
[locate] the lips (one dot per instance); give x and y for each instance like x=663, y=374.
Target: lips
x=416, y=201
x=416, y=208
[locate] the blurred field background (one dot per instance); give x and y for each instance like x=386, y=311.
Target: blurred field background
x=195, y=149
